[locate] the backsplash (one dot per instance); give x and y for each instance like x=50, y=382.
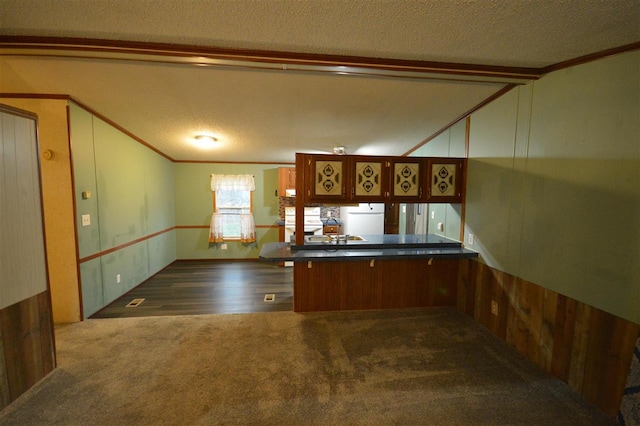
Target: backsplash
x=291, y=202
x=285, y=202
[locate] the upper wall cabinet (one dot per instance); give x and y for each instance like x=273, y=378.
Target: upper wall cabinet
x=370, y=178
x=326, y=175
x=444, y=182
x=286, y=181
x=406, y=185
x=355, y=178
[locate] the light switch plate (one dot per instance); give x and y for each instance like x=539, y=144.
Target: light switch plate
x=86, y=219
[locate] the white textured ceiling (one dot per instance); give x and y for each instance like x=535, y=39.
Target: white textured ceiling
x=267, y=115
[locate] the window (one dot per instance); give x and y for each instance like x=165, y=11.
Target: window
x=232, y=218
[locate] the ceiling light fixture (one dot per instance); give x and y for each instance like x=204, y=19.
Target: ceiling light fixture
x=205, y=141
x=340, y=150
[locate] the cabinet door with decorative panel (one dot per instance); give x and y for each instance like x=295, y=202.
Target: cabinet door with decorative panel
x=444, y=182
x=406, y=180
x=369, y=178
x=327, y=178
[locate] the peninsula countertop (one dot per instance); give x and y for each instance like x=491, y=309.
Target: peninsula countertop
x=384, y=246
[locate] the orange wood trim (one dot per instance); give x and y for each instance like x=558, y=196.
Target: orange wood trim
x=263, y=56
x=121, y=246
x=35, y=96
x=590, y=58
x=490, y=99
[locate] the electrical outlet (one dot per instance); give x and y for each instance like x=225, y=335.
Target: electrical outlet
x=471, y=239
x=118, y=279
x=223, y=246
x=86, y=220
x=494, y=307
x=433, y=214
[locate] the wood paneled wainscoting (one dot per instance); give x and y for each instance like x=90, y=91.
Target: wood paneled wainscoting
x=27, y=352
x=585, y=347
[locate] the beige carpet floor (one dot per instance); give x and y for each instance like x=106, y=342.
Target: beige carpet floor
x=431, y=366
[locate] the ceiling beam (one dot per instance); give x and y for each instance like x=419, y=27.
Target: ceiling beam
x=260, y=59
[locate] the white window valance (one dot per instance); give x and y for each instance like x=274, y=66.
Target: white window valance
x=232, y=183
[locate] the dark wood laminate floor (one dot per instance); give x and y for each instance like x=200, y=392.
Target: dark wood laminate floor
x=208, y=287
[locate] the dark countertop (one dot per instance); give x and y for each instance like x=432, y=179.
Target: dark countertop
x=384, y=241
x=379, y=247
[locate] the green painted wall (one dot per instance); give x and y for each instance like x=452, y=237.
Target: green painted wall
x=194, y=205
x=84, y=174
x=132, y=197
x=553, y=185
x=450, y=143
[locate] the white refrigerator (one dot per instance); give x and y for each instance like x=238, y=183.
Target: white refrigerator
x=364, y=219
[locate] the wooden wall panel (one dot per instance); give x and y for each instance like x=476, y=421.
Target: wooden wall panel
x=547, y=327
x=585, y=347
x=563, y=338
x=4, y=380
x=579, y=345
x=27, y=346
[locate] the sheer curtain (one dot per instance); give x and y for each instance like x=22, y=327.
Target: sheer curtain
x=218, y=220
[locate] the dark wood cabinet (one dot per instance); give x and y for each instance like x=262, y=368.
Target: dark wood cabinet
x=406, y=180
x=374, y=284
x=369, y=178
x=332, y=229
x=343, y=179
x=286, y=180
x=444, y=180
x=327, y=179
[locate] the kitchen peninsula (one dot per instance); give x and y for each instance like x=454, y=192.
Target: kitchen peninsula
x=373, y=271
